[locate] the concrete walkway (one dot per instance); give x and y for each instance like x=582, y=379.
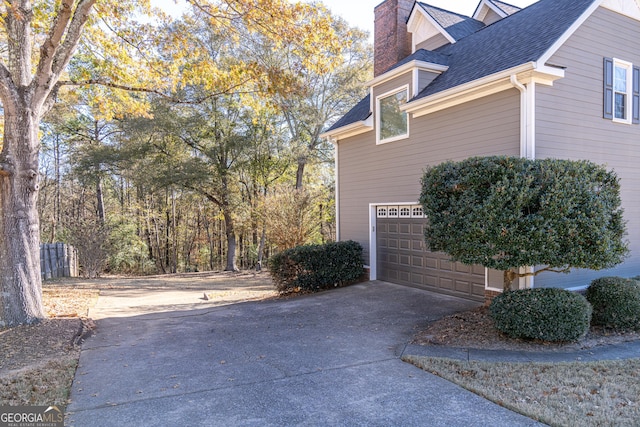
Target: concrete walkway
x=330, y=359
x=627, y=350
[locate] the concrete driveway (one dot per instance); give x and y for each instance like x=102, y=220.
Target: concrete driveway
x=330, y=359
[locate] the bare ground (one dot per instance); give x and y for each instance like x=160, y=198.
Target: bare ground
x=39, y=361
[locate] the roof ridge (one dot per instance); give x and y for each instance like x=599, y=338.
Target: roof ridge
x=509, y=15
x=497, y=3
x=424, y=5
x=456, y=25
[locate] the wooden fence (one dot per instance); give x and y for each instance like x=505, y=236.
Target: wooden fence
x=58, y=260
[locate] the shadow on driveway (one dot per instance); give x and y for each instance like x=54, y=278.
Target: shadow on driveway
x=322, y=359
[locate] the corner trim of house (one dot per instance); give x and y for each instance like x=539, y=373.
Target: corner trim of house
x=336, y=173
x=373, y=245
x=572, y=29
x=373, y=230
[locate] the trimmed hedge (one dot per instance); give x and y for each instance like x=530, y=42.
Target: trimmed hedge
x=316, y=267
x=616, y=303
x=547, y=314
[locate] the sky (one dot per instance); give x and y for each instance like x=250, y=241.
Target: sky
x=359, y=13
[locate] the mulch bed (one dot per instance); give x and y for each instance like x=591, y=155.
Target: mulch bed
x=474, y=329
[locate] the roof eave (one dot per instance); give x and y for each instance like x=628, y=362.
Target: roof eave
x=498, y=82
x=349, y=130
x=422, y=65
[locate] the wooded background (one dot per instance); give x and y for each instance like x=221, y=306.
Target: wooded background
x=217, y=173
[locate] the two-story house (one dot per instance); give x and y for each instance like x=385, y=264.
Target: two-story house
x=557, y=79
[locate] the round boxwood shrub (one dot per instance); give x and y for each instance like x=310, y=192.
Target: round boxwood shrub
x=616, y=303
x=547, y=314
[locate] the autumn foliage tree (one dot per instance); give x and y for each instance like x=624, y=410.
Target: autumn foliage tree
x=117, y=59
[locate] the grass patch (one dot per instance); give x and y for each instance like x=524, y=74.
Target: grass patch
x=605, y=393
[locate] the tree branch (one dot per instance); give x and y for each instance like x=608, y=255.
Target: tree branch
x=52, y=42
x=171, y=98
x=72, y=38
x=55, y=53
x=535, y=273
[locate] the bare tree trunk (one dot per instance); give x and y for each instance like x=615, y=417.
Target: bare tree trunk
x=302, y=162
x=263, y=239
x=20, y=282
x=231, y=241
x=100, y=200
x=25, y=96
x=57, y=209
x=508, y=277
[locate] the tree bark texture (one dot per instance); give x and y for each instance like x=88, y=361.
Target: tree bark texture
x=20, y=282
x=25, y=93
x=231, y=241
x=302, y=162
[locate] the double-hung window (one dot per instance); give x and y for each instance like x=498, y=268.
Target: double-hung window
x=392, y=123
x=621, y=91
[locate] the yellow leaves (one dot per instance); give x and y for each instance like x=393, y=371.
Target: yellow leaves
x=129, y=43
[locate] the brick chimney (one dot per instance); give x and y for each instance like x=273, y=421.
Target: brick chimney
x=392, y=42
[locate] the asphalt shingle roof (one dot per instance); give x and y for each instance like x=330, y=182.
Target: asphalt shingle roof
x=515, y=40
x=425, y=56
x=360, y=112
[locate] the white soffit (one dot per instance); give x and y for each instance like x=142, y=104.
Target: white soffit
x=630, y=8
x=484, y=7
x=428, y=26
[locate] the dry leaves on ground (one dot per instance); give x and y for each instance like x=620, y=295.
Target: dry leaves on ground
x=38, y=361
x=474, y=329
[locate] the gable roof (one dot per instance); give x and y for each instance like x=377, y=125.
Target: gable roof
x=501, y=8
x=456, y=25
x=507, y=8
x=520, y=38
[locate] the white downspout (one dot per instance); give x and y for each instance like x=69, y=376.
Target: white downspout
x=527, y=143
x=337, y=185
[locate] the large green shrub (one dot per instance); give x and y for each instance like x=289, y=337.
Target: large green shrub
x=616, y=303
x=547, y=314
x=316, y=267
x=506, y=212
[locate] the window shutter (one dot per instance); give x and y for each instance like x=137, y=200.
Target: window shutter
x=636, y=96
x=608, y=88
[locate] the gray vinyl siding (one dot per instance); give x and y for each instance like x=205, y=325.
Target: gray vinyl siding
x=569, y=123
x=425, y=78
x=394, y=84
x=390, y=173
x=433, y=43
